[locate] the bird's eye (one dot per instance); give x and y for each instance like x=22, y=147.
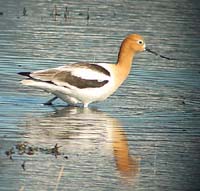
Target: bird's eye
x=140, y=42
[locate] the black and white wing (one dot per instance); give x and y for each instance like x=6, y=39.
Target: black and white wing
x=79, y=75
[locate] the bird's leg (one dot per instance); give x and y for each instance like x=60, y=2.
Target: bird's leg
x=50, y=101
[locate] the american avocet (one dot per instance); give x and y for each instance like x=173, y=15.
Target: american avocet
x=87, y=82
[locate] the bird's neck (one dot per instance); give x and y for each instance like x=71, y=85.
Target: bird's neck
x=124, y=62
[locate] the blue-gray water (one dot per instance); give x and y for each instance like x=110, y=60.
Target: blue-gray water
x=144, y=137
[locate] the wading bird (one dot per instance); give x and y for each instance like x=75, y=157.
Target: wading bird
x=88, y=82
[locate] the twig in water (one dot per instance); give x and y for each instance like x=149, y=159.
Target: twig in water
x=59, y=177
x=23, y=165
x=88, y=16
x=21, y=189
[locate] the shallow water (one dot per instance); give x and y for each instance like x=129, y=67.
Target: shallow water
x=144, y=137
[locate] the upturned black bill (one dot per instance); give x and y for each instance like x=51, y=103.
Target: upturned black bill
x=155, y=53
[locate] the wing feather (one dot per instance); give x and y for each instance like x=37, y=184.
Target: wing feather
x=44, y=75
x=80, y=75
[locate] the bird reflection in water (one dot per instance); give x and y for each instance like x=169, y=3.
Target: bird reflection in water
x=86, y=129
x=128, y=165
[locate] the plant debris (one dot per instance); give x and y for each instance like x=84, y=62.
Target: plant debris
x=24, y=148
x=66, y=157
x=10, y=152
x=55, y=150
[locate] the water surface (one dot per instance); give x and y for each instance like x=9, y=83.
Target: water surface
x=144, y=137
